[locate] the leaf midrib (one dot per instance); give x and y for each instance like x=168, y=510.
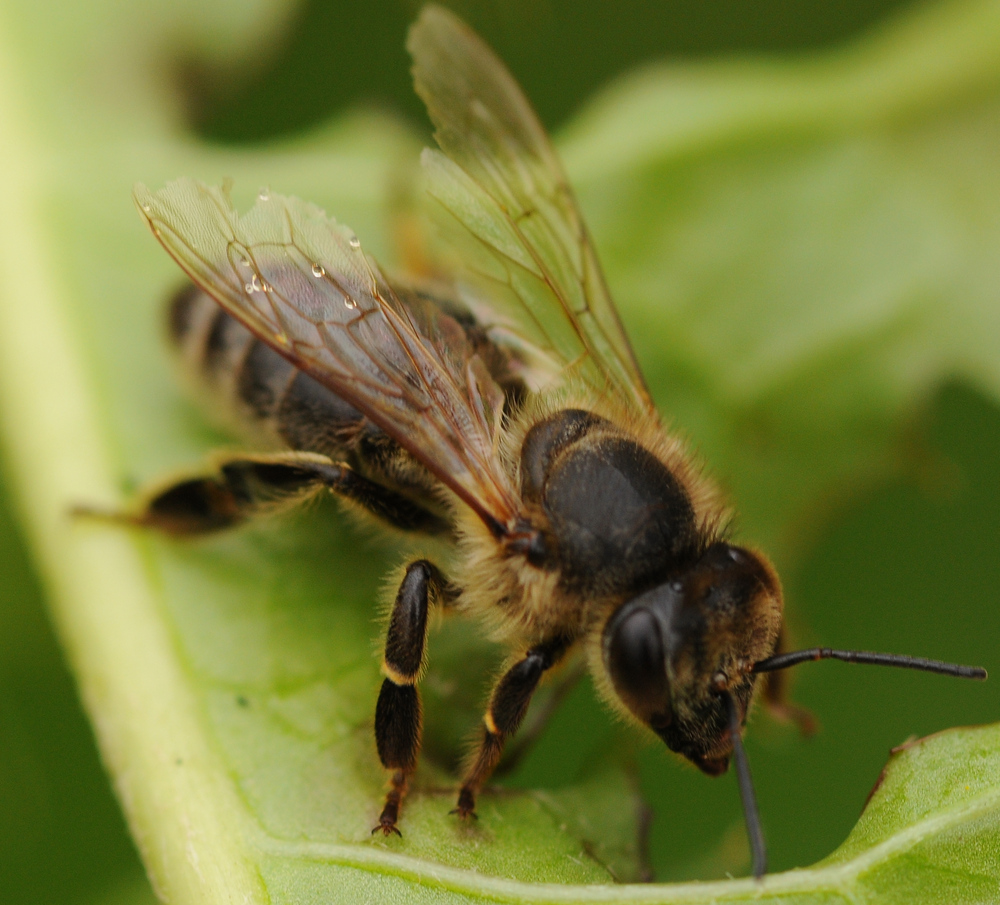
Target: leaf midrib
x=108, y=618
x=838, y=877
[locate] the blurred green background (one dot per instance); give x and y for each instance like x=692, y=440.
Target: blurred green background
x=909, y=566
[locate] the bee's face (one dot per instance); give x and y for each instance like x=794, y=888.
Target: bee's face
x=673, y=649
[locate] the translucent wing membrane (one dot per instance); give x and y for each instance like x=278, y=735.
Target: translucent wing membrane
x=524, y=238
x=302, y=284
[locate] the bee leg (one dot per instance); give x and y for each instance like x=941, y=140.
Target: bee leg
x=775, y=695
x=397, y=714
x=558, y=689
x=508, y=705
x=245, y=486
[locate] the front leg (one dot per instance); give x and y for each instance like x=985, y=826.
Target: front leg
x=397, y=714
x=775, y=697
x=508, y=705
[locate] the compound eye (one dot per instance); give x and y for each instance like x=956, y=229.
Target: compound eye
x=635, y=659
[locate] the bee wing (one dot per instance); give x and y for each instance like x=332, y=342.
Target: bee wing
x=301, y=283
x=524, y=237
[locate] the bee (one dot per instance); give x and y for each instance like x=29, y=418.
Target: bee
x=498, y=407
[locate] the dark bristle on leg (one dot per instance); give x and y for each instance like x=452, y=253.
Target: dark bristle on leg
x=903, y=661
x=755, y=832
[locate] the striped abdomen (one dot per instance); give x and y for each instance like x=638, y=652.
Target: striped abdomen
x=272, y=401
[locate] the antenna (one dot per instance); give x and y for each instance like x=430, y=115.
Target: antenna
x=755, y=832
x=758, y=848
x=783, y=661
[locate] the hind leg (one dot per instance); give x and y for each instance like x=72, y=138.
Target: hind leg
x=244, y=486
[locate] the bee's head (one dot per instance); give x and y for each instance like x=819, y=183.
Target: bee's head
x=673, y=651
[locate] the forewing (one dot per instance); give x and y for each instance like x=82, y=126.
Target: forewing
x=301, y=283
x=524, y=237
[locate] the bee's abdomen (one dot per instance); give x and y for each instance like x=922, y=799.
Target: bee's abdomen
x=253, y=384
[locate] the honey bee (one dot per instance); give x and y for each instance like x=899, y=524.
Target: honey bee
x=498, y=407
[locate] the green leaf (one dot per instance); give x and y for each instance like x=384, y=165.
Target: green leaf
x=801, y=252
x=917, y=839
